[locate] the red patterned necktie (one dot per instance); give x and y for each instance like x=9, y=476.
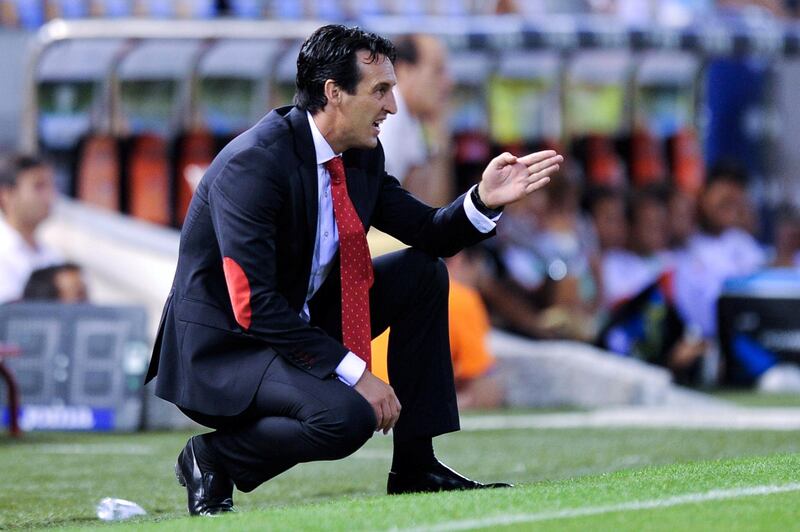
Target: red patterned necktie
x=356, y=266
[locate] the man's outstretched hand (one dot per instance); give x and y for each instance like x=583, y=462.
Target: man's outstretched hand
x=509, y=178
x=382, y=399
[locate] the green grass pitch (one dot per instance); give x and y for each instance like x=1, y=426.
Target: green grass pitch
x=567, y=479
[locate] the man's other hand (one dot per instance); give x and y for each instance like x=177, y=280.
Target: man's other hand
x=509, y=178
x=382, y=398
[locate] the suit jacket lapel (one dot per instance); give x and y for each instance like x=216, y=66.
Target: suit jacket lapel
x=304, y=144
x=356, y=178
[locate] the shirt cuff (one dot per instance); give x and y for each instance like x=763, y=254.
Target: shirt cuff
x=350, y=369
x=482, y=223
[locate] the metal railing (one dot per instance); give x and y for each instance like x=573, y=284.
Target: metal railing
x=138, y=30
x=496, y=34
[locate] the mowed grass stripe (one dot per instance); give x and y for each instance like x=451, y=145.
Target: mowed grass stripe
x=689, y=498
x=694, y=496
x=555, y=470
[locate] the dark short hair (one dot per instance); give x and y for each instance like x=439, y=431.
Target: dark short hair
x=12, y=164
x=597, y=194
x=655, y=193
x=41, y=284
x=787, y=212
x=330, y=53
x=727, y=171
x=407, y=49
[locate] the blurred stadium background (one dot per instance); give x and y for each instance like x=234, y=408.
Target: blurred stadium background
x=131, y=99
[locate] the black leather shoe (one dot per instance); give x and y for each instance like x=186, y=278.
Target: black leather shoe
x=437, y=478
x=210, y=492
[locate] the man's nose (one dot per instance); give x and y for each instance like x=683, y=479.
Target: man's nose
x=391, y=104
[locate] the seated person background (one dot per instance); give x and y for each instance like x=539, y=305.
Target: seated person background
x=722, y=249
x=544, y=283
x=607, y=209
x=477, y=384
x=786, y=253
x=682, y=218
x=649, y=328
x=417, y=140
x=629, y=270
x=62, y=282
x=27, y=193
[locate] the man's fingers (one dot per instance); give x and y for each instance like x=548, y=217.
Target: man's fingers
x=546, y=163
x=504, y=159
x=387, y=416
x=536, y=185
x=378, y=416
x=546, y=172
x=392, y=413
x=392, y=420
x=536, y=157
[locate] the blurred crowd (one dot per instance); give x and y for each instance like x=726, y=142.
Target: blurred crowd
x=634, y=268
x=32, y=13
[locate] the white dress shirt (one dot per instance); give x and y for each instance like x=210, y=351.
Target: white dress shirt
x=625, y=274
x=326, y=244
x=18, y=260
x=704, y=266
x=403, y=141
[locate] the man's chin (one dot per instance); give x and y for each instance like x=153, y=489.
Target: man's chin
x=368, y=144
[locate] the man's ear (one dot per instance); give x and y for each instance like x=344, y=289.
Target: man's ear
x=333, y=92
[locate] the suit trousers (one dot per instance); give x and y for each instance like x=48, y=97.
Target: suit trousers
x=296, y=417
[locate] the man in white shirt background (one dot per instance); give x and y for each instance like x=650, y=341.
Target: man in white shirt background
x=416, y=141
x=27, y=193
x=722, y=249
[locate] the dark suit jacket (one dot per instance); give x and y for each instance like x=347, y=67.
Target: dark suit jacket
x=256, y=208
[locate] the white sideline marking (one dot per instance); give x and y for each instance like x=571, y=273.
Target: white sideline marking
x=732, y=418
x=689, y=498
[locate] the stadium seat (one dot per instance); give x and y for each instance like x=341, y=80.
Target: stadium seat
x=686, y=161
x=647, y=163
x=194, y=152
x=149, y=179
x=97, y=172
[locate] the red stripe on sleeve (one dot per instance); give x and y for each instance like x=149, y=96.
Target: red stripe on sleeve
x=238, y=291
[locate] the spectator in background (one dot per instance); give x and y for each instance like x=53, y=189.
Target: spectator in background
x=608, y=211
x=62, y=282
x=682, y=218
x=787, y=237
x=723, y=248
x=512, y=282
x=546, y=283
x=417, y=141
x=626, y=272
x=477, y=386
x=27, y=193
